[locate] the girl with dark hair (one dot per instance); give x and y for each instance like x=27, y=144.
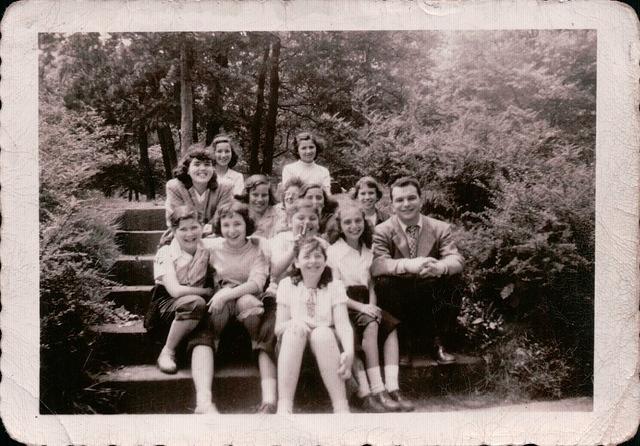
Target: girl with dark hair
x=226, y=157
x=350, y=258
x=178, y=297
x=368, y=192
x=240, y=275
x=312, y=308
x=196, y=185
x=325, y=205
x=306, y=148
x=259, y=197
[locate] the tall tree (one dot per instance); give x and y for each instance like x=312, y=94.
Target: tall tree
x=256, y=125
x=186, y=95
x=272, y=109
x=145, y=164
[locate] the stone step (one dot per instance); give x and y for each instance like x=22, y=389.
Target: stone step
x=134, y=270
x=143, y=219
x=138, y=242
x=134, y=298
x=236, y=387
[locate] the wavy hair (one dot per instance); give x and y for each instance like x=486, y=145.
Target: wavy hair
x=222, y=138
x=228, y=210
x=368, y=182
x=330, y=205
x=198, y=152
x=251, y=183
x=312, y=244
x=307, y=136
x=334, y=227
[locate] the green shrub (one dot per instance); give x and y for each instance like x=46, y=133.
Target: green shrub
x=77, y=250
x=519, y=367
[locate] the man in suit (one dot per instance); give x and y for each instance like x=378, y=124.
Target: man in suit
x=416, y=268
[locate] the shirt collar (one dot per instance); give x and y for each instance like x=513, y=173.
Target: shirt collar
x=404, y=227
x=176, y=251
x=343, y=249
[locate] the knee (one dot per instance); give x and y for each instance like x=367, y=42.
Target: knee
x=247, y=302
x=190, y=307
x=321, y=335
x=295, y=331
x=370, y=333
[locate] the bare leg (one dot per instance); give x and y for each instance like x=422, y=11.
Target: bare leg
x=202, y=373
x=325, y=348
x=292, y=345
x=178, y=331
x=267, y=378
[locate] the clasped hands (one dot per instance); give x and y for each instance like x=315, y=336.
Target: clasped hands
x=425, y=267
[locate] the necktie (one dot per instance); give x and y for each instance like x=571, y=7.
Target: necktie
x=412, y=238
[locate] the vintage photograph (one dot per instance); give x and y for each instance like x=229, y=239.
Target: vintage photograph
x=314, y=222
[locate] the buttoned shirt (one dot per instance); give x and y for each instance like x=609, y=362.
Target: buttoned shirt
x=173, y=257
x=349, y=265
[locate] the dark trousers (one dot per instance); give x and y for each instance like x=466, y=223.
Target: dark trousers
x=427, y=308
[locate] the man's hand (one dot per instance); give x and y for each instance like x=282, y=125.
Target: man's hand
x=414, y=266
x=432, y=268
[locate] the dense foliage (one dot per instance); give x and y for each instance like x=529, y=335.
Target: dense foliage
x=498, y=126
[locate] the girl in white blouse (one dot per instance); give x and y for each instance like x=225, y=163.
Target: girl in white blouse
x=350, y=258
x=306, y=148
x=312, y=307
x=226, y=157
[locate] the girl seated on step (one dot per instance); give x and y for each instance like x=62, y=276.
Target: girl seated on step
x=259, y=197
x=290, y=193
x=196, y=185
x=306, y=148
x=179, y=295
x=226, y=157
x=240, y=275
x=350, y=258
x=312, y=309
x=325, y=205
x=368, y=192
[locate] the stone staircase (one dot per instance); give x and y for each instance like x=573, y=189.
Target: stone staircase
x=131, y=354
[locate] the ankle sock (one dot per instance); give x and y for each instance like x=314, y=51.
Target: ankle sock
x=375, y=379
x=268, y=386
x=391, y=377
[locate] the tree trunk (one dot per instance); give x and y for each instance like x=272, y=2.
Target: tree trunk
x=216, y=115
x=254, y=161
x=213, y=128
x=186, y=97
x=272, y=109
x=145, y=164
x=169, y=157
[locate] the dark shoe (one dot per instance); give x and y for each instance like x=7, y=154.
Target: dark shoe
x=405, y=405
x=386, y=401
x=371, y=404
x=266, y=408
x=442, y=357
x=406, y=361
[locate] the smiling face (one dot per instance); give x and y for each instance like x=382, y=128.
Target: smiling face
x=352, y=224
x=200, y=171
x=311, y=262
x=222, y=154
x=368, y=197
x=307, y=150
x=188, y=232
x=406, y=203
x=305, y=221
x=314, y=195
x=234, y=230
x=259, y=199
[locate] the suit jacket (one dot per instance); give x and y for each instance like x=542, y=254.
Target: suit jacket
x=390, y=246
x=178, y=195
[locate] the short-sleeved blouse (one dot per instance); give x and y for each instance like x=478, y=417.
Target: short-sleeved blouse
x=349, y=265
x=313, y=306
x=191, y=270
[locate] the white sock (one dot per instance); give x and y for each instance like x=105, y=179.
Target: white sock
x=269, y=386
x=363, y=383
x=375, y=379
x=285, y=407
x=204, y=399
x=341, y=406
x=391, y=377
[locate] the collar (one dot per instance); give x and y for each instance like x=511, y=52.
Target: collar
x=176, y=252
x=201, y=196
x=404, y=227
